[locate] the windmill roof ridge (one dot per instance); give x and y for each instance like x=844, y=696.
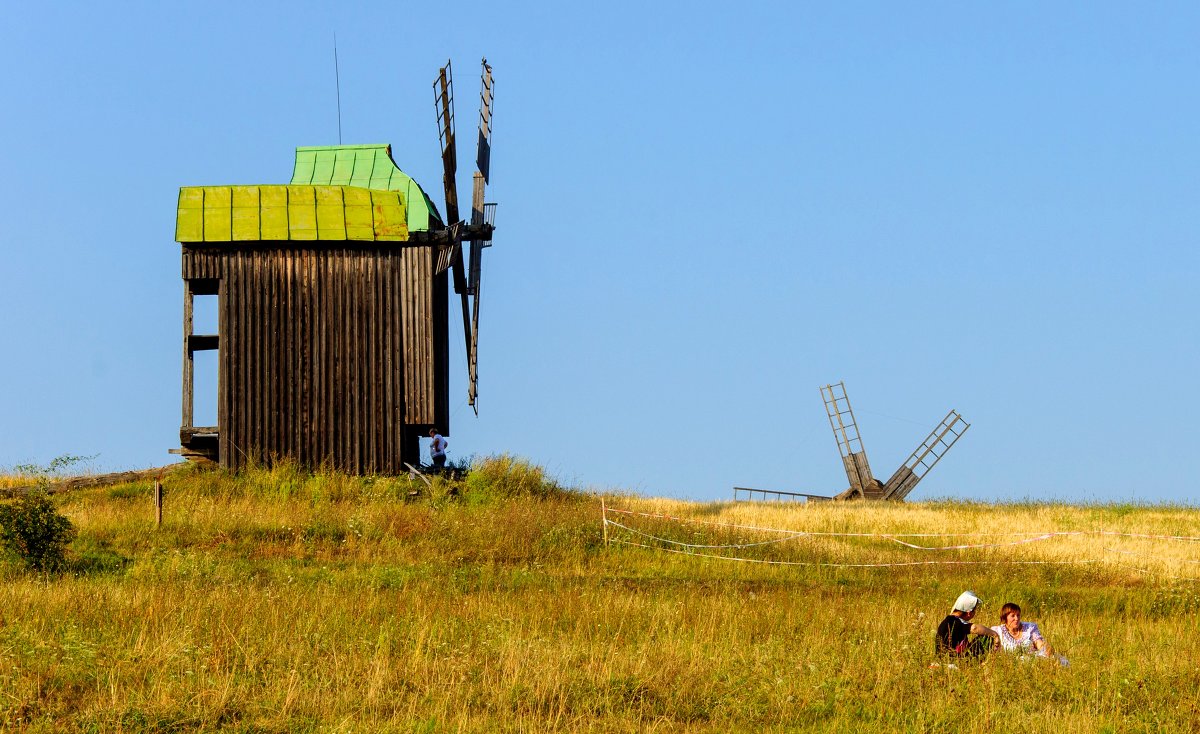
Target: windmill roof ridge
x=357, y=146
x=369, y=166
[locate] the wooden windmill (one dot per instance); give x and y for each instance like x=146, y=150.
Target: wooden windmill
x=333, y=304
x=854, y=457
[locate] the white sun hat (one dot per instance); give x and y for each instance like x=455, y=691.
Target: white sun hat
x=966, y=602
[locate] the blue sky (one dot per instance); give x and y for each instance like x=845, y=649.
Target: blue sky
x=706, y=212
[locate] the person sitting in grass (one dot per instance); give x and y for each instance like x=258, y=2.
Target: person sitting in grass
x=1022, y=638
x=953, y=634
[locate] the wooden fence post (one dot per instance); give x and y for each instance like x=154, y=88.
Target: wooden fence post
x=158, y=502
x=604, y=520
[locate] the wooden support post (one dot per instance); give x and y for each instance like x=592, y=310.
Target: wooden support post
x=188, y=364
x=158, y=503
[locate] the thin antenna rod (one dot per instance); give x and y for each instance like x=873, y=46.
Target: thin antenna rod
x=338, y=81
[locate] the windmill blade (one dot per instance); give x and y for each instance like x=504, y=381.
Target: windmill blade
x=443, y=102
x=481, y=226
x=927, y=455
x=482, y=217
x=845, y=430
x=483, y=150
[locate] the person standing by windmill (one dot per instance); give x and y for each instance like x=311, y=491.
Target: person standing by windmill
x=437, y=449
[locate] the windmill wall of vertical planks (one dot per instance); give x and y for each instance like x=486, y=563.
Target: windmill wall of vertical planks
x=333, y=303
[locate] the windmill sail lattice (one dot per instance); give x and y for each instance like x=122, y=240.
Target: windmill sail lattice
x=863, y=484
x=481, y=214
x=854, y=455
x=443, y=102
x=928, y=454
x=849, y=441
x=467, y=276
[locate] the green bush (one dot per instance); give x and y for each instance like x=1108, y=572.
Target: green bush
x=33, y=531
x=508, y=477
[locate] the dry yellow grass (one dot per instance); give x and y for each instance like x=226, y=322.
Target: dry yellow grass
x=280, y=602
x=1109, y=539
x=8, y=481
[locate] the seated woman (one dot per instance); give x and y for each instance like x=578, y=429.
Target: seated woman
x=953, y=634
x=1022, y=638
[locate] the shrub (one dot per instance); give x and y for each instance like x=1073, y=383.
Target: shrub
x=506, y=476
x=33, y=531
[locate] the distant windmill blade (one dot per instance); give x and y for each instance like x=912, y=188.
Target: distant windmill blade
x=850, y=446
x=927, y=455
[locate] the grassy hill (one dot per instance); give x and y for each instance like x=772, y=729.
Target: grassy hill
x=284, y=601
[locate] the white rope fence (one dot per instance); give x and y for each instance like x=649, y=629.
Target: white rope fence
x=707, y=550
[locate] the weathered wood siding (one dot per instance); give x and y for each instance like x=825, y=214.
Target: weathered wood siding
x=327, y=354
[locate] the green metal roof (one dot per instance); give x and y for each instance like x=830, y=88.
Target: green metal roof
x=369, y=167
x=292, y=212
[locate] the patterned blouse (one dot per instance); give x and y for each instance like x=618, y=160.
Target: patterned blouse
x=1024, y=641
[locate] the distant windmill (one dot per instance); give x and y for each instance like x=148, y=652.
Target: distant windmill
x=854, y=457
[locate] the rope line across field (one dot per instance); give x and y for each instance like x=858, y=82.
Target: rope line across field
x=662, y=516
x=658, y=540
x=825, y=564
